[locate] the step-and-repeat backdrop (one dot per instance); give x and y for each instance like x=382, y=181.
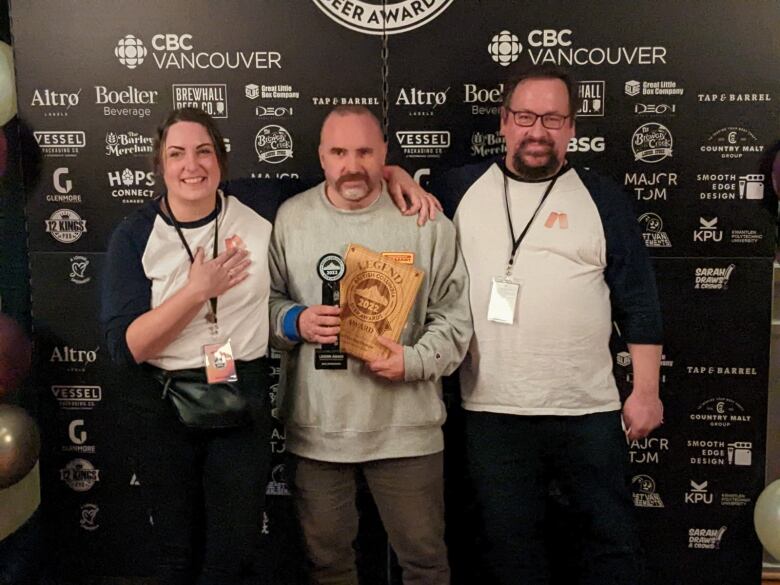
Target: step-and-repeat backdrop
x=680, y=105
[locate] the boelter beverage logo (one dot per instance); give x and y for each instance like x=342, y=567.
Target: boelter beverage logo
x=377, y=18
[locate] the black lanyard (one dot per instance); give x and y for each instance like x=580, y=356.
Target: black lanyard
x=211, y=317
x=516, y=242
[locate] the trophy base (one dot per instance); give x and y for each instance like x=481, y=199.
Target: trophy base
x=329, y=359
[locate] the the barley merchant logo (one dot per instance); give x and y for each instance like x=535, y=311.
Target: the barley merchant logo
x=374, y=18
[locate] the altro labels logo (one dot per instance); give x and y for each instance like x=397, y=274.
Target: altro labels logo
x=377, y=17
x=55, y=104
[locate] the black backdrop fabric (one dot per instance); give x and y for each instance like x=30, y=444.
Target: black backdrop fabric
x=680, y=106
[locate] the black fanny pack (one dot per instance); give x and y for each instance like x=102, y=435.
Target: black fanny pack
x=201, y=405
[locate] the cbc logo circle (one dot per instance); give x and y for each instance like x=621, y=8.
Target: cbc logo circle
x=505, y=48
x=130, y=51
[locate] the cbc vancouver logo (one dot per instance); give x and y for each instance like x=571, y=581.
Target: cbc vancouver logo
x=177, y=51
x=377, y=17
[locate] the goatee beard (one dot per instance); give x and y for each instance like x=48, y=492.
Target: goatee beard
x=535, y=173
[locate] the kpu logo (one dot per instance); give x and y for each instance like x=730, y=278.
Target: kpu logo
x=698, y=494
x=377, y=18
x=505, y=48
x=708, y=231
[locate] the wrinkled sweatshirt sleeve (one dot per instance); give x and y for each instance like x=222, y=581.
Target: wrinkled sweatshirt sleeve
x=283, y=310
x=448, y=326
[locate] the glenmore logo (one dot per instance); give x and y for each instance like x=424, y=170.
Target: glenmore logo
x=372, y=18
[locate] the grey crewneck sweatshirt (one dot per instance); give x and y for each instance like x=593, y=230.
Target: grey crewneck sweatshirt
x=352, y=415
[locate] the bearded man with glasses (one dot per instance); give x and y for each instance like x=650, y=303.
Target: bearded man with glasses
x=554, y=256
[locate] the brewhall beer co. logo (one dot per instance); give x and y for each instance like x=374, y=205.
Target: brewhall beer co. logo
x=372, y=18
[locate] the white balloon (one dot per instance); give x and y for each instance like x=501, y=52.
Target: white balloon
x=766, y=518
x=7, y=84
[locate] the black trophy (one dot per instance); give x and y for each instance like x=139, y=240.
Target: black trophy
x=331, y=269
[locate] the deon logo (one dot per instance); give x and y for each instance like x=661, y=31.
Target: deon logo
x=377, y=17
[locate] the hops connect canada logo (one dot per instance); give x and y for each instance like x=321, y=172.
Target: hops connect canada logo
x=130, y=51
x=505, y=48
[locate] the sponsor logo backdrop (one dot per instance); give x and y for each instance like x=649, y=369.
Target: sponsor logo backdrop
x=680, y=108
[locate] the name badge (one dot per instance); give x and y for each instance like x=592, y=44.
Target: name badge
x=219, y=362
x=503, y=300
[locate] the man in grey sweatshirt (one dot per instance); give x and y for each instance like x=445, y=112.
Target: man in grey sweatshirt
x=383, y=417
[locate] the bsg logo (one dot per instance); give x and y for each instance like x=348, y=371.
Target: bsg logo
x=172, y=42
x=586, y=144
x=549, y=38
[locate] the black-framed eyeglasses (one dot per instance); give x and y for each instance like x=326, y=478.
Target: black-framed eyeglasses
x=549, y=121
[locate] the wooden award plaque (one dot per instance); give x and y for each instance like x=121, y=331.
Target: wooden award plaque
x=376, y=297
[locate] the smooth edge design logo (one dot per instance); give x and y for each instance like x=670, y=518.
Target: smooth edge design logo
x=367, y=18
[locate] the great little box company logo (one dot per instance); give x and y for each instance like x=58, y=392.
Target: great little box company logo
x=270, y=92
x=659, y=88
x=65, y=226
x=80, y=475
x=211, y=98
x=423, y=143
x=377, y=18
x=60, y=142
x=651, y=143
x=732, y=142
x=705, y=538
x=128, y=144
x=177, y=51
x=273, y=144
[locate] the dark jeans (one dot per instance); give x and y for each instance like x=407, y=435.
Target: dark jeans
x=512, y=460
x=208, y=489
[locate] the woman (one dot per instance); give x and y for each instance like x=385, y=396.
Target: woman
x=187, y=274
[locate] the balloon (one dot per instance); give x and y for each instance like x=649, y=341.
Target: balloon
x=766, y=518
x=15, y=354
x=7, y=84
x=20, y=444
